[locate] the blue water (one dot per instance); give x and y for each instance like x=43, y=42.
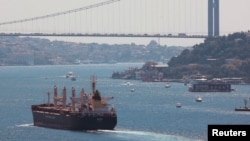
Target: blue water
x=148, y=114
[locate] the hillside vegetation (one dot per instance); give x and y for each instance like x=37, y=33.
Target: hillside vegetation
x=218, y=57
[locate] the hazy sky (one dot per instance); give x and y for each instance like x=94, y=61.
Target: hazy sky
x=125, y=16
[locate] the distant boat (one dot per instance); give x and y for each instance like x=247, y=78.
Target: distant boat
x=167, y=86
x=245, y=108
x=200, y=83
x=69, y=74
x=198, y=99
x=132, y=90
x=128, y=83
x=242, y=109
x=178, y=105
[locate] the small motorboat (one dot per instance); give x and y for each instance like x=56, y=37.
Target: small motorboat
x=167, y=86
x=69, y=74
x=132, y=90
x=128, y=83
x=198, y=99
x=178, y=105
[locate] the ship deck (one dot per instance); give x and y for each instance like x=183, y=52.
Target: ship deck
x=60, y=110
x=51, y=109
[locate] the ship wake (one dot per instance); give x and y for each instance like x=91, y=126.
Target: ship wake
x=25, y=125
x=144, y=135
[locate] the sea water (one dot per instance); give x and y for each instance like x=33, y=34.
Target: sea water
x=147, y=114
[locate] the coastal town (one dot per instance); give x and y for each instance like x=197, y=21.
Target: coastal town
x=219, y=62
x=38, y=51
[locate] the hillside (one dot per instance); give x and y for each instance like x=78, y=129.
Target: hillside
x=37, y=51
x=227, y=56
x=218, y=57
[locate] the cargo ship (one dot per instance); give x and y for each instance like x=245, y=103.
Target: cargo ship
x=86, y=112
x=200, y=83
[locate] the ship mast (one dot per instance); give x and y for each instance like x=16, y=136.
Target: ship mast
x=55, y=95
x=93, y=84
x=48, y=98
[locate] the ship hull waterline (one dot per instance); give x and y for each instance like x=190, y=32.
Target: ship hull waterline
x=69, y=122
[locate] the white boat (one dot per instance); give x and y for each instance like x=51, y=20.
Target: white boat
x=69, y=74
x=132, y=90
x=178, y=105
x=128, y=83
x=167, y=86
x=198, y=99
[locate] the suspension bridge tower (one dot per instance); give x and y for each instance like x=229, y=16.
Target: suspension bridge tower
x=213, y=18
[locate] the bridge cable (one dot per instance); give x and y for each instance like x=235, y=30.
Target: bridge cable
x=61, y=13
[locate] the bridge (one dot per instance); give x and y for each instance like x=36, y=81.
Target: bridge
x=181, y=35
x=124, y=18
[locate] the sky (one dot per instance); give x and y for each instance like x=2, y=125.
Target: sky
x=125, y=17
